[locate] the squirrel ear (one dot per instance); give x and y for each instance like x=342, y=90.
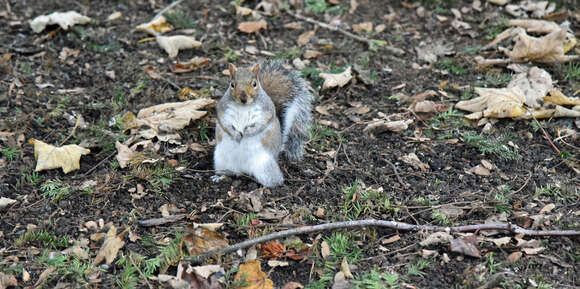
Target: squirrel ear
x=256, y=69
x=233, y=70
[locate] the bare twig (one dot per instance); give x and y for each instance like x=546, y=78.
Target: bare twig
x=100, y=163
x=545, y=133
x=525, y=183
x=161, y=221
x=369, y=42
x=73, y=131
x=379, y=223
x=167, y=9
x=140, y=272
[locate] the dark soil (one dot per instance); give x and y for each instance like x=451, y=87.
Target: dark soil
x=340, y=156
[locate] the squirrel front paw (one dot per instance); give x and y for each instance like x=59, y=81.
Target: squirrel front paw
x=217, y=178
x=238, y=136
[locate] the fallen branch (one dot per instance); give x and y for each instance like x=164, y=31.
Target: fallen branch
x=378, y=223
x=369, y=42
x=546, y=136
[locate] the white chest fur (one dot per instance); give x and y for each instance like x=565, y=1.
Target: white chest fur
x=242, y=116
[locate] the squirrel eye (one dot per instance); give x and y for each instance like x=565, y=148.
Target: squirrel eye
x=232, y=85
x=254, y=84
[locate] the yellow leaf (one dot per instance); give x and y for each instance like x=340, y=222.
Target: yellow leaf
x=155, y=26
x=557, y=97
x=496, y=102
x=64, y=19
x=254, y=277
x=110, y=247
x=200, y=240
x=305, y=37
x=50, y=157
x=546, y=49
x=173, y=116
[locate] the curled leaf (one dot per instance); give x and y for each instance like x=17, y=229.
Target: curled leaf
x=155, y=26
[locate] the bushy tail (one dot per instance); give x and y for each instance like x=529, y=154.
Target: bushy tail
x=297, y=119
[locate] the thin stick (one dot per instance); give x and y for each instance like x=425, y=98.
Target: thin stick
x=140, y=272
x=378, y=223
x=73, y=131
x=545, y=134
x=369, y=42
x=525, y=183
x=167, y=9
x=100, y=163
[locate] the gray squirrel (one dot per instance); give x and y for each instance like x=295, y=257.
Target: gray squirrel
x=249, y=136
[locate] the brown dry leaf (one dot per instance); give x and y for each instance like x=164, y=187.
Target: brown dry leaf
x=535, y=25
x=6, y=57
x=325, y=250
x=533, y=251
x=252, y=26
x=273, y=249
x=381, y=125
x=305, y=37
x=436, y=239
x=353, y=6
x=172, y=44
x=413, y=160
x=5, y=202
x=173, y=116
x=392, y=239
x=466, y=246
x=344, y=268
x=50, y=157
x=480, y=171
x=430, y=106
x=193, y=64
x=513, y=257
x=365, y=26
x=152, y=72
x=336, y=79
x=500, y=242
x=25, y=276
x=44, y=275
x=200, y=240
x=155, y=26
x=110, y=247
x=496, y=102
x=243, y=11
x=293, y=285
x=64, y=19
x=309, y=54
x=451, y=211
x=547, y=208
x=7, y=280
x=534, y=85
x=546, y=49
x=255, y=278
x=293, y=25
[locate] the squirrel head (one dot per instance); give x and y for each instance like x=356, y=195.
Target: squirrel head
x=244, y=83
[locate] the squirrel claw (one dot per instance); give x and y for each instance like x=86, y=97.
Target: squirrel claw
x=217, y=178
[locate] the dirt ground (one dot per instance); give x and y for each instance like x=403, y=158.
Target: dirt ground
x=38, y=100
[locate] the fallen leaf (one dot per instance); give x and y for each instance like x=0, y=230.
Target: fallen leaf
x=496, y=102
x=292, y=285
x=254, y=277
x=206, y=270
x=534, y=85
x=413, y=160
x=277, y=263
x=535, y=25
x=193, y=64
x=365, y=26
x=172, y=44
x=353, y=6
x=64, y=19
x=533, y=251
x=201, y=240
x=380, y=126
x=273, y=249
x=546, y=49
x=110, y=247
x=391, y=239
x=324, y=250
x=25, y=276
x=480, y=170
x=50, y=157
x=466, y=246
x=500, y=242
x=547, y=208
x=243, y=11
x=293, y=25
x=5, y=202
x=173, y=116
x=7, y=280
x=155, y=26
x=336, y=79
x=436, y=239
x=309, y=54
x=555, y=96
x=345, y=269
x=252, y=26
x=305, y=37
x=513, y=257
x=451, y=211
x=114, y=16
x=429, y=106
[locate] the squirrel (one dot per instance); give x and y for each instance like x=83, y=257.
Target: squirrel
x=249, y=136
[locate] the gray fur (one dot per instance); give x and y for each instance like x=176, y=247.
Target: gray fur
x=296, y=114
